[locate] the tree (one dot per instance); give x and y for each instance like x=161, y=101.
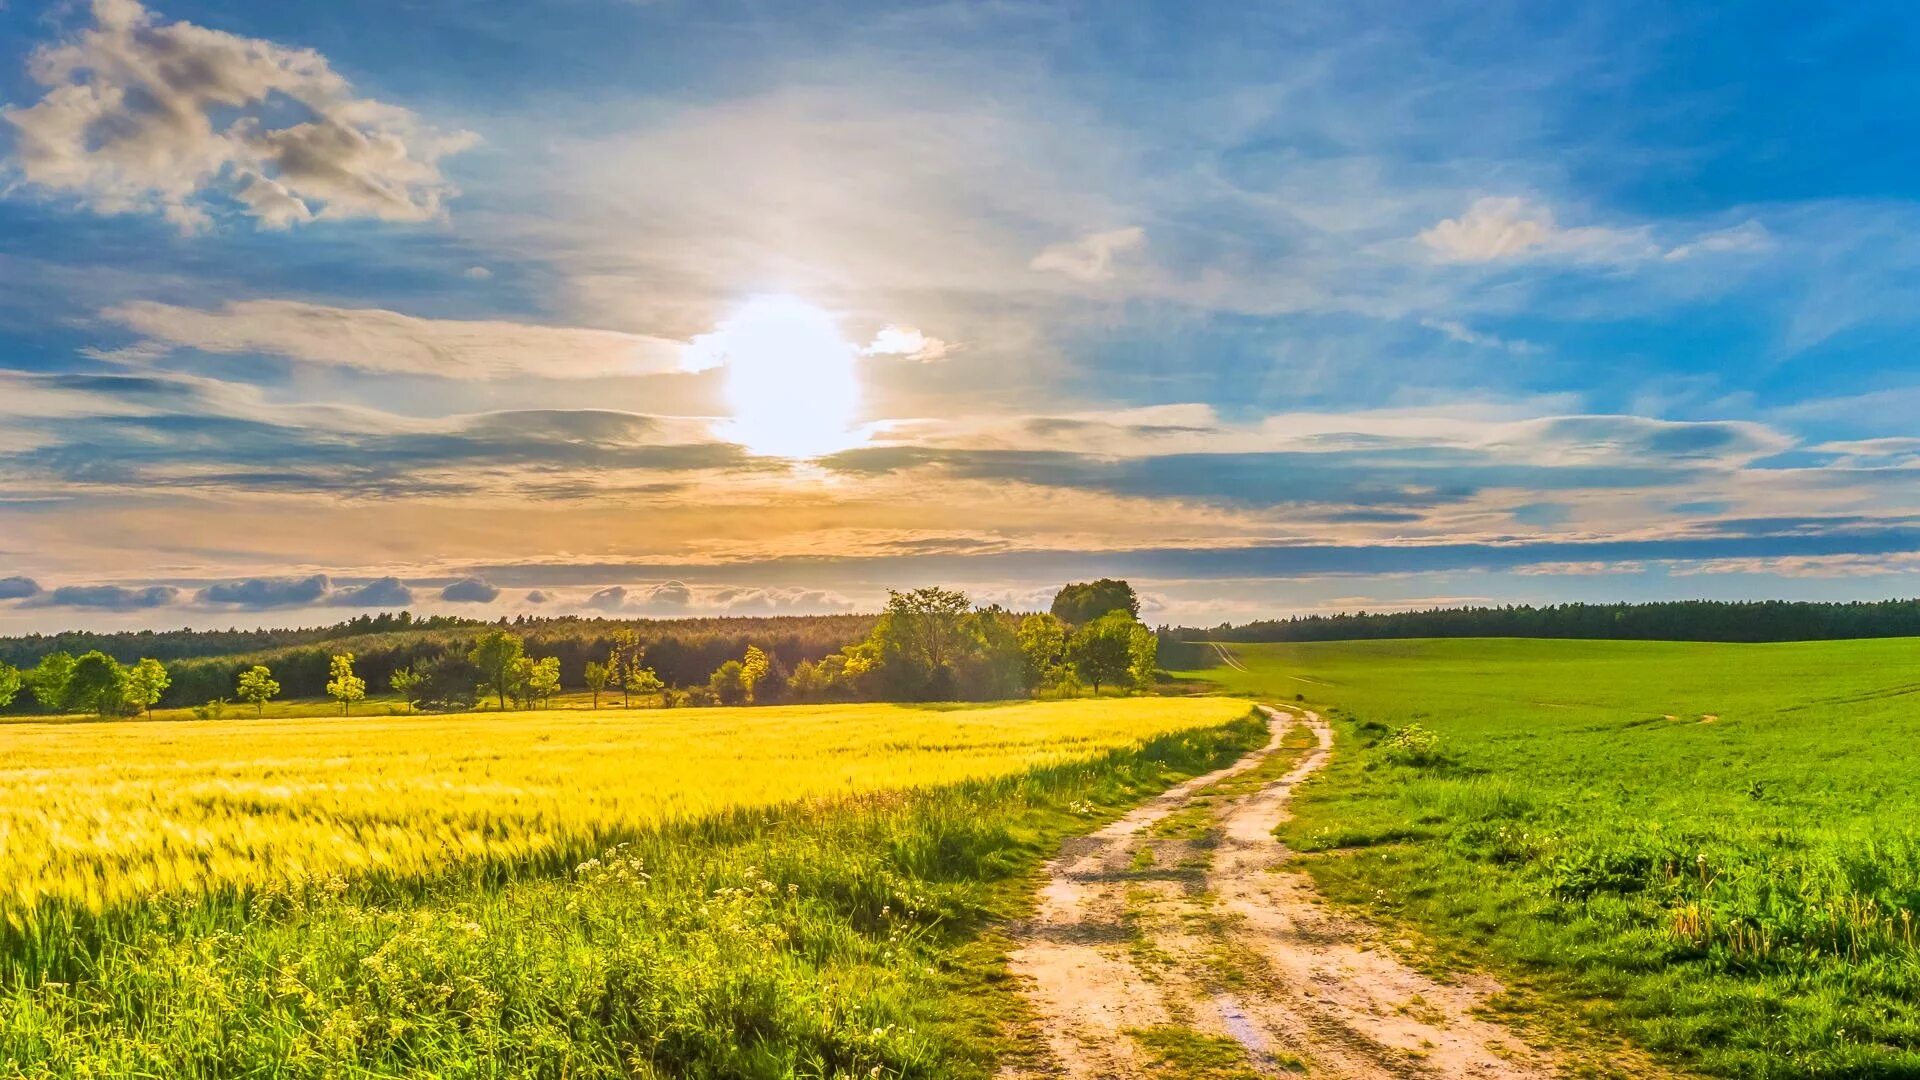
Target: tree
x=543, y=681
x=1101, y=650
x=920, y=638
x=1143, y=655
x=10, y=683
x=497, y=654
x=753, y=668
x=405, y=683
x=726, y=683
x=807, y=683
x=640, y=680
x=1043, y=650
x=1083, y=602
x=343, y=685
x=994, y=667
x=50, y=679
x=625, y=660
x=597, y=676
x=99, y=684
x=257, y=686
x=146, y=681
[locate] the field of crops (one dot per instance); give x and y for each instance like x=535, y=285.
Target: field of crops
x=1714, y=849
x=695, y=893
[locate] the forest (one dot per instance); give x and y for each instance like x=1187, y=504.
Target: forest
x=1677, y=620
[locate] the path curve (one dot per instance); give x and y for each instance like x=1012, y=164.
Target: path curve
x=1127, y=939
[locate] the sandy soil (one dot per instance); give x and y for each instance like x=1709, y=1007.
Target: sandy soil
x=1220, y=938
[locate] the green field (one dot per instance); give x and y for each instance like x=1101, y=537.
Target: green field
x=1713, y=849
x=768, y=892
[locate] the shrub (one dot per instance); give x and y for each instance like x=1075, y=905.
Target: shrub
x=1414, y=745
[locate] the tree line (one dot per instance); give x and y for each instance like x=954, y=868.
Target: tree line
x=1674, y=620
x=929, y=644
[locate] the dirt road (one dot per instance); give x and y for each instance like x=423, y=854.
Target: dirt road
x=1177, y=937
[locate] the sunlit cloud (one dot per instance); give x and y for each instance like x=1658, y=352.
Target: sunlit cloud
x=142, y=114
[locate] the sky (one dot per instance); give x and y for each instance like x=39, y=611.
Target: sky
x=675, y=307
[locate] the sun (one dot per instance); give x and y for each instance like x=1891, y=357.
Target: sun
x=790, y=377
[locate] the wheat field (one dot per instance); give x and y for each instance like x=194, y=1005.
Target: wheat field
x=99, y=815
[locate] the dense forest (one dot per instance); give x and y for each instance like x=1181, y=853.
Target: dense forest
x=169, y=645
x=1678, y=620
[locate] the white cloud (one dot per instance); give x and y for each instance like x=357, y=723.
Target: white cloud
x=128, y=124
x=1091, y=257
x=1508, y=227
x=372, y=339
x=679, y=598
x=477, y=273
x=908, y=343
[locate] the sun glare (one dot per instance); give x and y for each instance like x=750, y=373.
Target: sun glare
x=790, y=377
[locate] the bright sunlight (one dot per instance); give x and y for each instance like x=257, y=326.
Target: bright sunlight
x=790, y=377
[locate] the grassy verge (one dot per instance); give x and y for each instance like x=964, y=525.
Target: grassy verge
x=834, y=939
x=1709, y=850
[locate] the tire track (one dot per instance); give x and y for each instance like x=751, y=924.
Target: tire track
x=1126, y=939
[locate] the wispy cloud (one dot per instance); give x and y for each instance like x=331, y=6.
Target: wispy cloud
x=387, y=342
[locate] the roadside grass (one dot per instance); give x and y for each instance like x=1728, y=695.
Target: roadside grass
x=845, y=936
x=1713, y=850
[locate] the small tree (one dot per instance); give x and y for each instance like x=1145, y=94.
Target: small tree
x=806, y=683
x=146, y=681
x=624, y=660
x=753, y=668
x=597, y=676
x=99, y=684
x=498, y=654
x=639, y=680
x=258, y=688
x=10, y=684
x=344, y=686
x=726, y=684
x=405, y=683
x=543, y=681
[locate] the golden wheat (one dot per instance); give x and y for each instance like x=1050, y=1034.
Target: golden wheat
x=100, y=814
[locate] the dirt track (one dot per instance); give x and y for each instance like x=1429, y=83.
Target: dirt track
x=1213, y=939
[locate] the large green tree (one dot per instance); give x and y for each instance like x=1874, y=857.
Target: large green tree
x=1102, y=651
x=1085, y=601
x=498, y=654
x=146, y=681
x=1043, y=650
x=98, y=685
x=50, y=679
x=921, y=636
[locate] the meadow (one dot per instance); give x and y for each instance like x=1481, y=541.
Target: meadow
x=1712, y=849
x=721, y=892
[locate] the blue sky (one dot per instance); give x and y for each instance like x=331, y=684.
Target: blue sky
x=669, y=307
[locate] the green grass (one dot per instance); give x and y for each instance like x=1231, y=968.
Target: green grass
x=847, y=938
x=1711, y=849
